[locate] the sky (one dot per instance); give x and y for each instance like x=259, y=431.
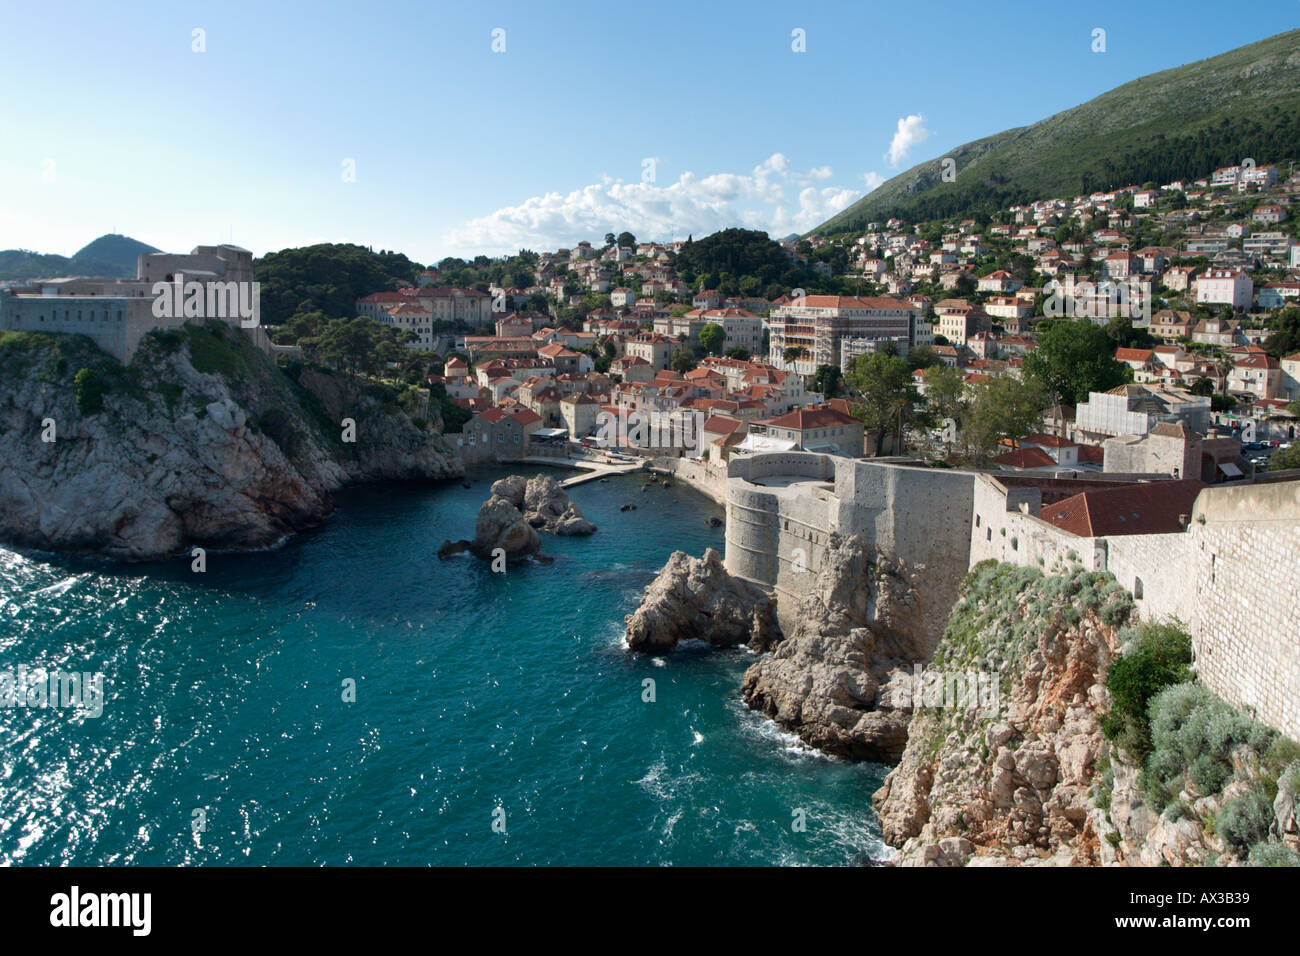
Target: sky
x=439, y=129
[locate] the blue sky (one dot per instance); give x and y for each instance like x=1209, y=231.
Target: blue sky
x=112, y=122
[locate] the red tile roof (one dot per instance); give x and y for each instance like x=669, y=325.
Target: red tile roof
x=1148, y=508
x=812, y=416
x=1025, y=458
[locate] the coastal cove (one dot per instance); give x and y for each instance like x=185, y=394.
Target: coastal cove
x=474, y=691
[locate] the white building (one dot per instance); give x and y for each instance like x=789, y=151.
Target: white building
x=1225, y=287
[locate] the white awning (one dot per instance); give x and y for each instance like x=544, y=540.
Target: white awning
x=762, y=443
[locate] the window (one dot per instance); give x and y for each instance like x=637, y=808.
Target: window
x=1137, y=588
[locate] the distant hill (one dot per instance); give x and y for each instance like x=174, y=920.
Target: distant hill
x=120, y=252
x=327, y=278
x=1176, y=124
x=110, y=256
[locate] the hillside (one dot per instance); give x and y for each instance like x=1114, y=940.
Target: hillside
x=109, y=256
x=116, y=252
x=328, y=278
x=1178, y=123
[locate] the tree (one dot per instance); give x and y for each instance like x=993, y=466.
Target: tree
x=1003, y=407
x=826, y=380
x=627, y=239
x=1284, y=335
x=683, y=360
x=1285, y=458
x=737, y=352
x=711, y=337
x=945, y=390
x=1202, y=386
x=1124, y=335
x=1073, y=358
x=923, y=356
x=884, y=396
x=793, y=352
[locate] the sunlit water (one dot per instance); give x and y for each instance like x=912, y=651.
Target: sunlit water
x=480, y=697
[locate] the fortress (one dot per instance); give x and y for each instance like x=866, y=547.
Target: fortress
x=1230, y=576
x=117, y=313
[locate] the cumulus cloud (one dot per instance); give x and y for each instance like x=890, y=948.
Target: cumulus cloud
x=872, y=179
x=772, y=197
x=911, y=132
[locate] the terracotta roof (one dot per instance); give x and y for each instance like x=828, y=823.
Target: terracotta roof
x=1172, y=430
x=524, y=416
x=853, y=302
x=1043, y=440
x=1148, y=508
x=1026, y=458
x=722, y=424
x=812, y=416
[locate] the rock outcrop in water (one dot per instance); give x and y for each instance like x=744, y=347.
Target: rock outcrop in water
x=544, y=504
x=201, y=440
x=830, y=681
x=509, y=520
x=695, y=598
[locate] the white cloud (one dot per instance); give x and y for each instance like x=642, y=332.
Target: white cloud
x=911, y=132
x=872, y=179
x=692, y=205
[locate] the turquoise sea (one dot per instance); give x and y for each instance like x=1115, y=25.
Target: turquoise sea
x=480, y=698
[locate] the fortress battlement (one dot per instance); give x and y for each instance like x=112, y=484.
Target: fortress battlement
x=1229, y=577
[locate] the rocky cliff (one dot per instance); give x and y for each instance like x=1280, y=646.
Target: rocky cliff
x=859, y=633
x=1029, y=777
x=696, y=599
x=201, y=440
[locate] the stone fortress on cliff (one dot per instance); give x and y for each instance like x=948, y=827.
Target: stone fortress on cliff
x=117, y=313
x=1229, y=575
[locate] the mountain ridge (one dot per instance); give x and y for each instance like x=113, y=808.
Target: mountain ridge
x=111, y=256
x=1179, y=122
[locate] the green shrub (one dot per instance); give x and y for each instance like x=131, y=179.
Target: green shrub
x=1158, y=657
x=1244, y=821
x=1273, y=854
x=91, y=384
x=213, y=350
x=1193, y=734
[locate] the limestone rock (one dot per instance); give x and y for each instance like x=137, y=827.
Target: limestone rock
x=1016, y=784
x=695, y=598
x=859, y=629
x=174, y=457
x=500, y=525
x=544, y=504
